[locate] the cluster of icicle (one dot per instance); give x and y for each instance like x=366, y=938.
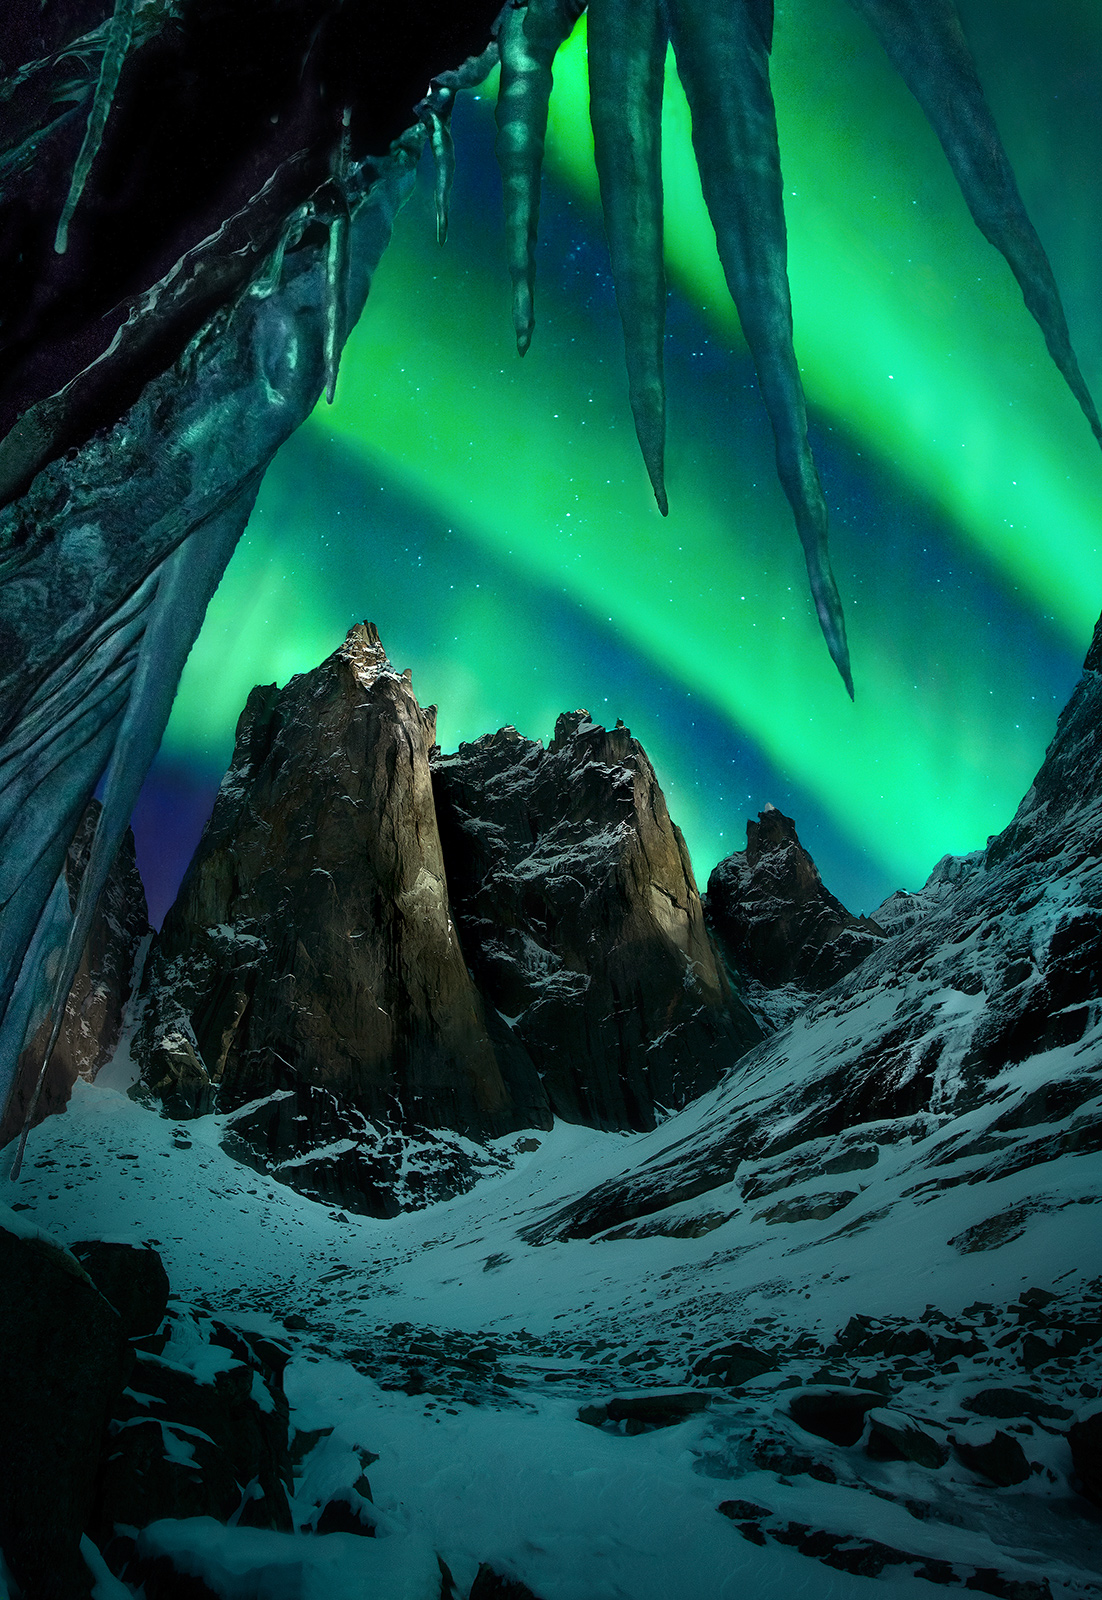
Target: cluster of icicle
x=722, y=52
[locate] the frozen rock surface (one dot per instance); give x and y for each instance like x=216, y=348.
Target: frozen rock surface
x=97, y=1001
x=902, y=910
x=65, y=1361
x=838, y=1321
x=579, y=912
x=781, y=929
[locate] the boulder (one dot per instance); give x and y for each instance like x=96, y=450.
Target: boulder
x=1012, y=1403
x=156, y=1468
x=577, y=906
x=1085, y=1439
x=132, y=1278
x=733, y=1364
x=640, y=1413
x=994, y=1455
x=65, y=1358
x=182, y=1447
x=347, y=1511
x=489, y=1584
x=892, y=1436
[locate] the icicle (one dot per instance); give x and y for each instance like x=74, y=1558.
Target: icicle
x=271, y=277
x=185, y=583
x=336, y=268
x=475, y=70
x=926, y=44
x=627, y=57
x=529, y=37
x=48, y=767
x=114, y=54
x=443, y=150
x=723, y=58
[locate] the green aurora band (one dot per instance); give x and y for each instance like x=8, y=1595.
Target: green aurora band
x=925, y=377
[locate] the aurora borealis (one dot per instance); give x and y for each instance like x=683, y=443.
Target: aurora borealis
x=494, y=518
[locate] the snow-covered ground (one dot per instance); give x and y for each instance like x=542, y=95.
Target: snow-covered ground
x=459, y=1354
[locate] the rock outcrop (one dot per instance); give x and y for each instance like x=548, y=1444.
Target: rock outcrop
x=97, y=1001
x=311, y=951
x=311, y=972
x=781, y=929
x=975, y=1030
x=578, y=909
x=902, y=910
x=117, y=1415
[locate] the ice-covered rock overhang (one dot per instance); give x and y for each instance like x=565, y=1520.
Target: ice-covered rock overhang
x=171, y=318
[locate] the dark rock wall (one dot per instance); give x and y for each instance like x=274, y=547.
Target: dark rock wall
x=775, y=919
x=311, y=971
x=934, y=1025
x=97, y=1001
x=311, y=943
x=576, y=902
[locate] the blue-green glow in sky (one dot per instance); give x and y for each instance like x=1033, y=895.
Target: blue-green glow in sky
x=494, y=518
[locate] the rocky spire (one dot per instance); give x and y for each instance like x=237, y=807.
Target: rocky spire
x=311, y=948
x=777, y=923
x=577, y=905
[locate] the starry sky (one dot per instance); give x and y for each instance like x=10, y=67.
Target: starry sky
x=493, y=515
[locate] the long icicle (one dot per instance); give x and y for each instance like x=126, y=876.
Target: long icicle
x=115, y=51
x=443, y=150
x=627, y=57
x=186, y=583
x=723, y=59
x=336, y=266
x=529, y=37
x=925, y=42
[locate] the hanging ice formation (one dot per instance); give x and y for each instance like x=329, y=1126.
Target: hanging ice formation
x=336, y=265
x=116, y=45
x=211, y=423
x=722, y=50
x=167, y=492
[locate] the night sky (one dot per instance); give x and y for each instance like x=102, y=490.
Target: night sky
x=493, y=516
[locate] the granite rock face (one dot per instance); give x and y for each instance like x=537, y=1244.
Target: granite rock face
x=311, y=948
x=577, y=906
x=777, y=923
x=97, y=1001
x=970, y=1040
x=312, y=977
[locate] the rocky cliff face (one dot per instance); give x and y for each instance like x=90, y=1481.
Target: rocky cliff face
x=782, y=930
x=311, y=972
x=965, y=1051
x=311, y=953
x=578, y=909
x=902, y=910
x=97, y=1001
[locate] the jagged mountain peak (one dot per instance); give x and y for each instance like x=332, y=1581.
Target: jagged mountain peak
x=778, y=924
x=312, y=978
x=363, y=650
